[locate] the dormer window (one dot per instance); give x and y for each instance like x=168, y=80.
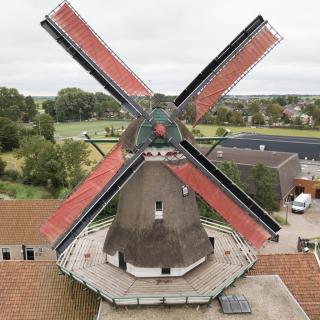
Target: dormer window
x=158, y=210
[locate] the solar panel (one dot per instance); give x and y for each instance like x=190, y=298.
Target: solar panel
x=234, y=304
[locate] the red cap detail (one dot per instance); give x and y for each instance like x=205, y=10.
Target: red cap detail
x=159, y=130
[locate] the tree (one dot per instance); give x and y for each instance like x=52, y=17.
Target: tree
x=258, y=119
x=75, y=156
x=49, y=108
x=253, y=108
x=230, y=169
x=53, y=165
x=262, y=184
x=44, y=126
x=9, y=134
x=71, y=102
x=2, y=166
x=29, y=109
x=222, y=115
x=274, y=111
x=220, y=131
x=43, y=164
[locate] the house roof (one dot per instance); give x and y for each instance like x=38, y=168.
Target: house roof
x=251, y=157
x=21, y=220
x=286, y=165
x=300, y=273
x=33, y=290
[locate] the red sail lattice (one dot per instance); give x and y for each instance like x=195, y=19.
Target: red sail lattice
x=85, y=38
x=72, y=208
x=243, y=60
x=224, y=205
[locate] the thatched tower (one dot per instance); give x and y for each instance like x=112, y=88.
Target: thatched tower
x=157, y=227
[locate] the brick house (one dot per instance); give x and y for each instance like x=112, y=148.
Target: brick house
x=20, y=238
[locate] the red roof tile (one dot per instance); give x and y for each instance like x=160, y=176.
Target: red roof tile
x=21, y=220
x=32, y=290
x=300, y=273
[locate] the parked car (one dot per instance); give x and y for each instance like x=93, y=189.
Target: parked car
x=301, y=203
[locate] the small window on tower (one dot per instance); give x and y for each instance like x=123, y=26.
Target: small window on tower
x=165, y=271
x=158, y=210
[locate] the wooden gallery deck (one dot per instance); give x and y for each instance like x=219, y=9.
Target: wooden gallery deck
x=85, y=261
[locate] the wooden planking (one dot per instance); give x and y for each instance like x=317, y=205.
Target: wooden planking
x=215, y=274
x=104, y=279
x=160, y=286
x=200, y=281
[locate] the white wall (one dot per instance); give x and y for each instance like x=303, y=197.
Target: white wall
x=152, y=272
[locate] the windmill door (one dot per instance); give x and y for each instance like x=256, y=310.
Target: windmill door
x=122, y=263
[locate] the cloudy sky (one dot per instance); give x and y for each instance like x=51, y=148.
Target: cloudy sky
x=166, y=42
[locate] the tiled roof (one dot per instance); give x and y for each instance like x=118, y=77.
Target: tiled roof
x=300, y=273
x=21, y=220
x=32, y=290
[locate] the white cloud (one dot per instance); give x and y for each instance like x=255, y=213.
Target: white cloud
x=167, y=42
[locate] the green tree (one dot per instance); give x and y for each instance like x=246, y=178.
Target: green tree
x=253, y=108
x=29, y=109
x=49, y=108
x=9, y=134
x=230, y=169
x=11, y=103
x=43, y=163
x=262, y=183
x=44, y=126
x=258, y=119
x=274, y=111
x=71, y=103
x=2, y=166
x=75, y=156
x=222, y=115
x=220, y=131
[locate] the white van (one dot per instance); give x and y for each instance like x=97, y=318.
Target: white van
x=301, y=203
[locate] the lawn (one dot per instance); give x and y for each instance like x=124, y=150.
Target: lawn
x=94, y=128
x=21, y=191
x=12, y=162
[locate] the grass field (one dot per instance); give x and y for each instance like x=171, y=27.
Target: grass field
x=21, y=191
x=96, y=128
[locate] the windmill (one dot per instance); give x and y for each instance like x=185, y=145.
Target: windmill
x=155, y=167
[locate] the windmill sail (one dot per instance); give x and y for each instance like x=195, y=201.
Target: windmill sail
x=79, y=31
x=229, y=67
x=246, y=216
x=92, y=195
x=66, y=26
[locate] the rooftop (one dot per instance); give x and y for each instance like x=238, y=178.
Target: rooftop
x=21, y=220
x=250, y=156
x=268, y=297
x=310, y=170
x=300, y=273
x=32, y=290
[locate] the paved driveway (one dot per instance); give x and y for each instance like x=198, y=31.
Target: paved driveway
x=306, y=225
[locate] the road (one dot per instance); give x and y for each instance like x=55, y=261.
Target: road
x=306, y=225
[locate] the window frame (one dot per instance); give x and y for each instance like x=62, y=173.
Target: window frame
x=34, y=253
x=158, y=214
x=4, y=251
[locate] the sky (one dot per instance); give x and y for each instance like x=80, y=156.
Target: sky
x=166, y=42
